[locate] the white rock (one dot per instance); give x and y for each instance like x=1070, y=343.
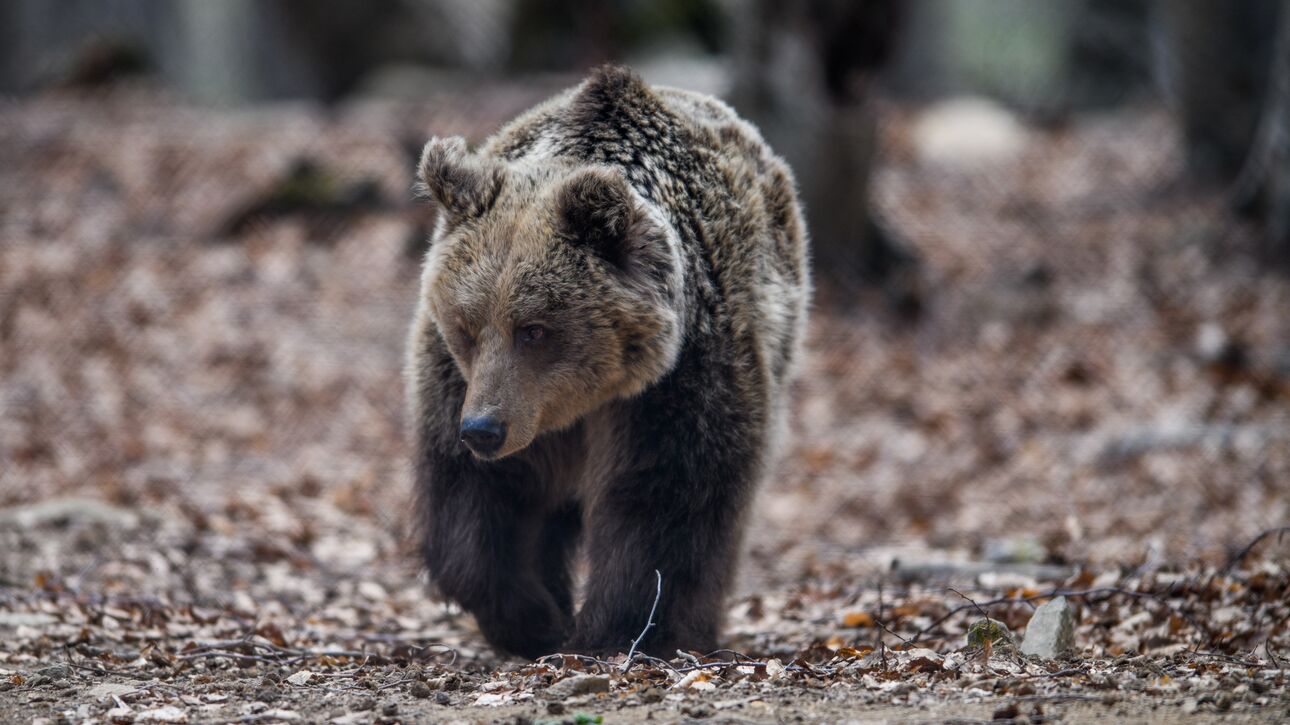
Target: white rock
x=109, y=689
x=373, y=591
x=67, y=511
x=968, y=131
x=169, y=713
x=579, y=685
x=26, y=619
x=1051, y=631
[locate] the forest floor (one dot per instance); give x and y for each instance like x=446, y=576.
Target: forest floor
x=203, y=481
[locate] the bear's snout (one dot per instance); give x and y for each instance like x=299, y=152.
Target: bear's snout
x=483, y=434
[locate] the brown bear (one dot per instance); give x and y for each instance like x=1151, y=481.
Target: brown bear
x=611, y=301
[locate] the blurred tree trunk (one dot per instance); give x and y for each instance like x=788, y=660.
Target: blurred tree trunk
x=1263, y=189
x=1227, y=67
x=805, y=75
x=1106, y=63
x=1215, y=67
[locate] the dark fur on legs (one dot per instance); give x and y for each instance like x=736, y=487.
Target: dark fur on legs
x=689, y=448
x=487, y=541
x=608, y=318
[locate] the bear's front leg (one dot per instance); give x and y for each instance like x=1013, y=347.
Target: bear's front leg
x=482, y=549
x=677, y=509
x=484, y=526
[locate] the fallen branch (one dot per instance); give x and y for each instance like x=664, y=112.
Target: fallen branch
x=649, y=623
x=1051, y=594
x=1278, y=532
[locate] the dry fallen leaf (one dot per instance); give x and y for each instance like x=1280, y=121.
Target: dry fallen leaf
x=857, y=619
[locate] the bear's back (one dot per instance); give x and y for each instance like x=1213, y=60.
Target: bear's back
x=703, y=165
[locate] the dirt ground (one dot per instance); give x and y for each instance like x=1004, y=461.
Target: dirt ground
x=203, y=473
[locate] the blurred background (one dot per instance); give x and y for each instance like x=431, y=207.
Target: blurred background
x=1051, y=243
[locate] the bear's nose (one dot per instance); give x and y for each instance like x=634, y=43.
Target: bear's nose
x=483, y=434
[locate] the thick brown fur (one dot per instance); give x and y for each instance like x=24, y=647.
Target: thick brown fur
x=619, y=276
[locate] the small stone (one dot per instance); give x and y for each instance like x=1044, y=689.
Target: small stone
x=579, y=685
x=421, y=690
x=902, y=689
x=108, y=689
x=652, y=695
x=968, y=132
x=1051, y=631
x=699, y=711
x=1007, y=712
x=266, y=694
x=63, y=512
x=364, y=704
x=390, y=709
x=989, y=631
x=26, y=619
x=441, y=698
x=1015, y=550
x=168, y=713
x=555, y=707
x=55, y=672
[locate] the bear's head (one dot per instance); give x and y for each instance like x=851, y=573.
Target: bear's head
x=555, y=287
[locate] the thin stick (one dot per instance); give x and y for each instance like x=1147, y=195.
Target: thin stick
x=1267, y=647
x=1236, y=559
x=1058, y=592
x=658, y=594
x=889, y=630
x=971, y=601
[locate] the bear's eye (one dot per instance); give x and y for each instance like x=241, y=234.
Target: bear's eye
x=465, y=336
x=532, y=334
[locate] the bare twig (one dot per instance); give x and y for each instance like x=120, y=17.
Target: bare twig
x=962, y=608
x=239, y=656
x=1278, y=532
x=1059, y=673
x=890, y=631
x=405, y=679
x=733, y=653
x=649, y=624
x=1052, y=593
x=99, y=670
x=715, y=665
x=1226, y=658
x=580, y=657
x=971, y=601
x=1272, y=657
x=642, y=657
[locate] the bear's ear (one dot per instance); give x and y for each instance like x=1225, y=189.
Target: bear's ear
x=594, y=210
x=463, y=184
